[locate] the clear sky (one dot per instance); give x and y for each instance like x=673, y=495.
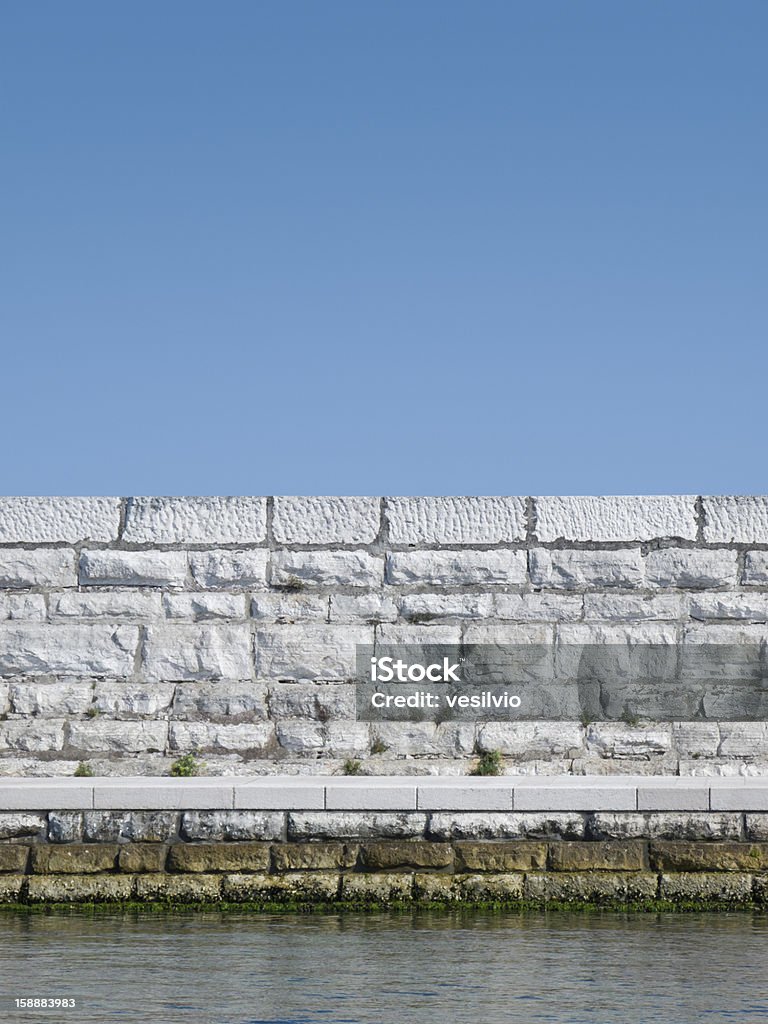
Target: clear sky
x=411, y=247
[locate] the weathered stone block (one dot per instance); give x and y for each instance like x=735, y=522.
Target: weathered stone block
x=457, y=568
x=377, y=888
x=98, y=888
x=178, y=888
x=314, y=856
x=140, y=858
x=326, y=520
x=234, y=569
x=327, y=569
x=688, y=567
x=37, y=520
x=628, y=855
x=11, y=888
x=13, y=858
x=51, y=698
x=529, y=740
x=99, y=734
x=39, y=649
x=355, y=825
x=73, y=858
x=491, y=888
x=384, y=856
x=228, y=702
x=720, y=887
x=40, y=735
x=321, y=701
x=215, y=737
x=757, y=826
x=232, y=826
x=696, y=739
x=309, y=652
x=506, y=825
x=615, y=739
x=236, y=520
x=592, y=887
x=180, y=652
x=462, y=520
x=296, y=887
x=718, y=856
x=219, y=857
x=45, y=567
x=523, y=855
x=20, y=825
x=664, y=825
x=132, y=699
x=65, y=827
x=574, y=569
x=737, y=605
x=448, y=739
x=133, y=568
x=616, y=518
x=129, y=826
x=437, y=888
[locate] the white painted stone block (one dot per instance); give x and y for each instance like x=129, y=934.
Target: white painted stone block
x=461, y=520
x=327, y=569
x=673, y=794
x=179, y=794
x=36, y=520
x=736, y=520
x=569, y=569
x=372, y=608
x=538, y=607
x=610, y=607
x=290, y=607
x=755, y=568
x=198, y=607
x=111, y=604
x=133, y=568
x=615, y=518
x=26, y=607
x=457, y=568
x=45, y=794
x=196, y=520
x=740, y=795
x=467, y=795
x=687, y=567
x=587, y=796
x=326, y=520
x=229, y=569
x=179, y=652
x=284, y=794
x=45, y=567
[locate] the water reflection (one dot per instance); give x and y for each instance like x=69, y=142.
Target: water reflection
x=453, y=967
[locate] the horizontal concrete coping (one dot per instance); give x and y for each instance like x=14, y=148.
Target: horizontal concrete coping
x=396, y=793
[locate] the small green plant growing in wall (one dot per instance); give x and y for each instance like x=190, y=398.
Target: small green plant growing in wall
x=92, y=711
x=379, y=746
x=187, y=766
x=83, y=771
x=292, y=583
x=490, y=763
x=351, y=767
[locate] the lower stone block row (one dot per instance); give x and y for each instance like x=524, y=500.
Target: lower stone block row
x=322, y=887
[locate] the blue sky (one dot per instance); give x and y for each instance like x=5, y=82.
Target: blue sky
x=417, y=248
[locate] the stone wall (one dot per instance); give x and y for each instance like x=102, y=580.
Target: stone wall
x=133, y=631
x=266, y=858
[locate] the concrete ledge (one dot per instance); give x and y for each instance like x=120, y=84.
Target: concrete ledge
x=397, y=793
